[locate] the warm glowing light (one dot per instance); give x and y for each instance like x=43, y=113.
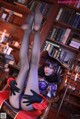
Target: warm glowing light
x=7, y=44
x=3, y=36
x=76, y=76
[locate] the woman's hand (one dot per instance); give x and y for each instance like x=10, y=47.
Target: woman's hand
x=13, y=87
x=35, y=98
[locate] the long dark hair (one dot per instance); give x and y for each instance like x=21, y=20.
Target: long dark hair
x=54, y=78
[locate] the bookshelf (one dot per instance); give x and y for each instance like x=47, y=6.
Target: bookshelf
x=64, y=31
x=12, y=16
x=63, y=42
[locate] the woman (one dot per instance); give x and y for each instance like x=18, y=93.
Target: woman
x=31, y=97
x=48, y=78
x=20, y=97
x=49, y=75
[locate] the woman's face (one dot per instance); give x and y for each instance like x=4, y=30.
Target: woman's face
x=48, y=70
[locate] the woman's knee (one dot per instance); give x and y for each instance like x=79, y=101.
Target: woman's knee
x=24, y=67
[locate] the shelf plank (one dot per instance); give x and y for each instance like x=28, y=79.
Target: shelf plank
x=65, y=46
x=66, y=25
x=16, y=7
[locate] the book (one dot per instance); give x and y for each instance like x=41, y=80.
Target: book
x=75, y=40
x=55, y=53
x=42, y=8
x=71, y=19
x=48, y=46
x=33, y=5
x=76, y=20
x=74, y=46
x=49, y=35
x=57, y=33
x=70, y=12
x=63, y=56
x=66, y=35
x=65, y=16
x=53, y=34
x=45, y=45
x=60, y=33
x=59, y=14
x=47, y=9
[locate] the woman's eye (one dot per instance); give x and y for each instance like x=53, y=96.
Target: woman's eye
x=51, y=67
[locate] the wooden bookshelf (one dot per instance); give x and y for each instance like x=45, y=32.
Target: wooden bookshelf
x=65, y=46
x=22, y=9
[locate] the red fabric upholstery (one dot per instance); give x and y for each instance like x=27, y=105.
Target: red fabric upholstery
x=39, y=108
x=3, y=96
x=10, y=79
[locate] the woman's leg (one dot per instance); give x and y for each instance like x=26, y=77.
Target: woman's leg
x=27, y=27
x=33, y=73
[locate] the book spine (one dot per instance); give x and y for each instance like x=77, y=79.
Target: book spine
x=53, y=32
x=66, y=35
x=63, y=56
x=33, y=6
x=74, y=46
x=76, y=43
x=59, y=53
x=71, y=19
x=46, y=9
x=75, y=20
x=59, y=35
x=62, y=15
x=49, y=35
x=42, y=7
x=48, y=46
x=50, y=49
x=75, y=40
x=55, y=52
x=64, y=30
x=45, y=46
x=59, y=14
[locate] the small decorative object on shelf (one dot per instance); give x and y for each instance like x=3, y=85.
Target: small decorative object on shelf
x=76, y=76
x=3, y=36
x=7, y=49
x=9, y=16
x=3, y=15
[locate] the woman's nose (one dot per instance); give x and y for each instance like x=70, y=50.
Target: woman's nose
x=47, y=68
